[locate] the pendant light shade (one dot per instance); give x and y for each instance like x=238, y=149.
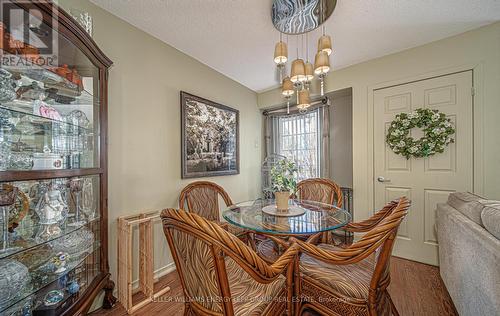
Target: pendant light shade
x=325, y=44
x=309, y=72
x=304, y=101
x=280, y=53
x=303, y=70
x=321, y=63
x=298, y=71
x=287, y=88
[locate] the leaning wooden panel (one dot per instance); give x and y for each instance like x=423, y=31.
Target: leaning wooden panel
x=126, y=226
x=124, y=262
x=146, y=256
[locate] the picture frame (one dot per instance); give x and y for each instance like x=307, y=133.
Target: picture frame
x=209, y=138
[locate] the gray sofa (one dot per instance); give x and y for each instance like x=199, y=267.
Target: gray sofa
x=468, y=228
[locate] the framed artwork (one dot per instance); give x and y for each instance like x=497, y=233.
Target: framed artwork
x=209, y=138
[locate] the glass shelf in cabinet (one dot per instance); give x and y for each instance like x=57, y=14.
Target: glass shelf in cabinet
x=29, y=242
x=20, y=65
x=40, y=280
x=17, y=116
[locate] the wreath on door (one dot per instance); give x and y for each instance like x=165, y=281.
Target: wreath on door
x=437, y=129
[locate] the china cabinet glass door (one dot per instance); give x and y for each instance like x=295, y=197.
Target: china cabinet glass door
x=51, y=172
x=49, y=104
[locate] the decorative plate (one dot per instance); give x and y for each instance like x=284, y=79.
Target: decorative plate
x=53, y=297
x=77, y=244
x=293, y=210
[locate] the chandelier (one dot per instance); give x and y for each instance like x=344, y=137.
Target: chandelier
x=298, y=18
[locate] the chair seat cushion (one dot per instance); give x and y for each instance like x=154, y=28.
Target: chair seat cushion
x=235, y=230
x=249, y=296
x=350, y=280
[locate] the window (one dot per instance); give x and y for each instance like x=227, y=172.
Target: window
x=297, y=137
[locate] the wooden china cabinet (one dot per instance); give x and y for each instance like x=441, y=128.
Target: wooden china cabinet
x=53, y=163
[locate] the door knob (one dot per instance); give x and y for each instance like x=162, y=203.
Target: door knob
x=382, y=179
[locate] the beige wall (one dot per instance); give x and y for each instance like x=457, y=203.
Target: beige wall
x=478, y=49
x=341, y=140
x=144, y=122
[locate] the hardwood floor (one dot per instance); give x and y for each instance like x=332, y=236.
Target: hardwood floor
x=416, y=289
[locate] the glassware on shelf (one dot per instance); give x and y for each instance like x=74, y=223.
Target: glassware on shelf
x=14, y=277
x=47, y=160
x=22, y=308
x=47, y=232
x=77, y=244
x=4, y=155
x=53, y=297
x=88, y=204
x=7, y=86
x=35, y=258
x=77, y=118
x=20, y=160
x=5, y=143
x=73, y=287
x=31, y=91
x=42, y=75
x=60, y=260
x=26, y=125
x=75, y=187
x=8, y=196
x=5, y=120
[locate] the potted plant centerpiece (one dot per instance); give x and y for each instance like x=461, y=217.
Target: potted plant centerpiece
x=284, y=183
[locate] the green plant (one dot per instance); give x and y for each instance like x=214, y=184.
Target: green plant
x=284, y=176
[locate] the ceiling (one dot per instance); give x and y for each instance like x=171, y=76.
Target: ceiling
x=236, y=37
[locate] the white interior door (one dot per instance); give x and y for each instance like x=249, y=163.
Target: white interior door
x=425, y=181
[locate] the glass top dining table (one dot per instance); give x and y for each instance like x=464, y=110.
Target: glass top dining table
x=317, y=217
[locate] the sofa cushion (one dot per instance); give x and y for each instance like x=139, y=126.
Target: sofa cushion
x=469, y=204
x=491, y=219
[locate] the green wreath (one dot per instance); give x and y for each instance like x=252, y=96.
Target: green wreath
x=437, y=133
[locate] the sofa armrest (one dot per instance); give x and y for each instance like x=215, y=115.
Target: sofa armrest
x=469, y=263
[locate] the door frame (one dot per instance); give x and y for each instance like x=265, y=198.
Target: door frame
x=477, y=123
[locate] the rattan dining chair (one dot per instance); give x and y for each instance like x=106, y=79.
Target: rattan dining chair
x=320, y=190
x=221, y=275
x=202, y=198
x=354, y=280
x=324, y=191
x=360, y=227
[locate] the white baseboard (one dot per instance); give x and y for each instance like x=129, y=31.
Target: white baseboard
x=157, y=274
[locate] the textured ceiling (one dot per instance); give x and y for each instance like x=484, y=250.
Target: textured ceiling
x=236, y=37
